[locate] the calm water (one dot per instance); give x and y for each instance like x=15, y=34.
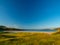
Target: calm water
x=35, y=30
x=38, y=30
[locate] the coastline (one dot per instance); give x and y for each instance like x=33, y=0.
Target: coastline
x=29, y=32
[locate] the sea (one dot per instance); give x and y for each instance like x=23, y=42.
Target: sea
x=33, y=30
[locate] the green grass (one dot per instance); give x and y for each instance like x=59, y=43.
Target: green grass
x=26, y=38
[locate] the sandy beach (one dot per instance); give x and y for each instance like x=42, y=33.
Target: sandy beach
x=28, y=32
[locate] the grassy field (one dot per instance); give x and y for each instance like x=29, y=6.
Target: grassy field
x=29, y=38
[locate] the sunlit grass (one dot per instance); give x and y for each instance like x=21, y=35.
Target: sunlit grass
x=29, y=38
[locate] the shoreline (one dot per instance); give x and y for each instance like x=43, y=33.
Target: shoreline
x=29, y=32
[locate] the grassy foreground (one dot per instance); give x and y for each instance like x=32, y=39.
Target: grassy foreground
x=29, y=38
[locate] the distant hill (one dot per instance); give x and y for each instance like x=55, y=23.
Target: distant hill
x=4, y=28
x=58, y=29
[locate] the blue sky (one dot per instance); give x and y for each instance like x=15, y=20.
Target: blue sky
x=30, y=14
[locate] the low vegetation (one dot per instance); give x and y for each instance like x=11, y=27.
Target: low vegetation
x=29, y=38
